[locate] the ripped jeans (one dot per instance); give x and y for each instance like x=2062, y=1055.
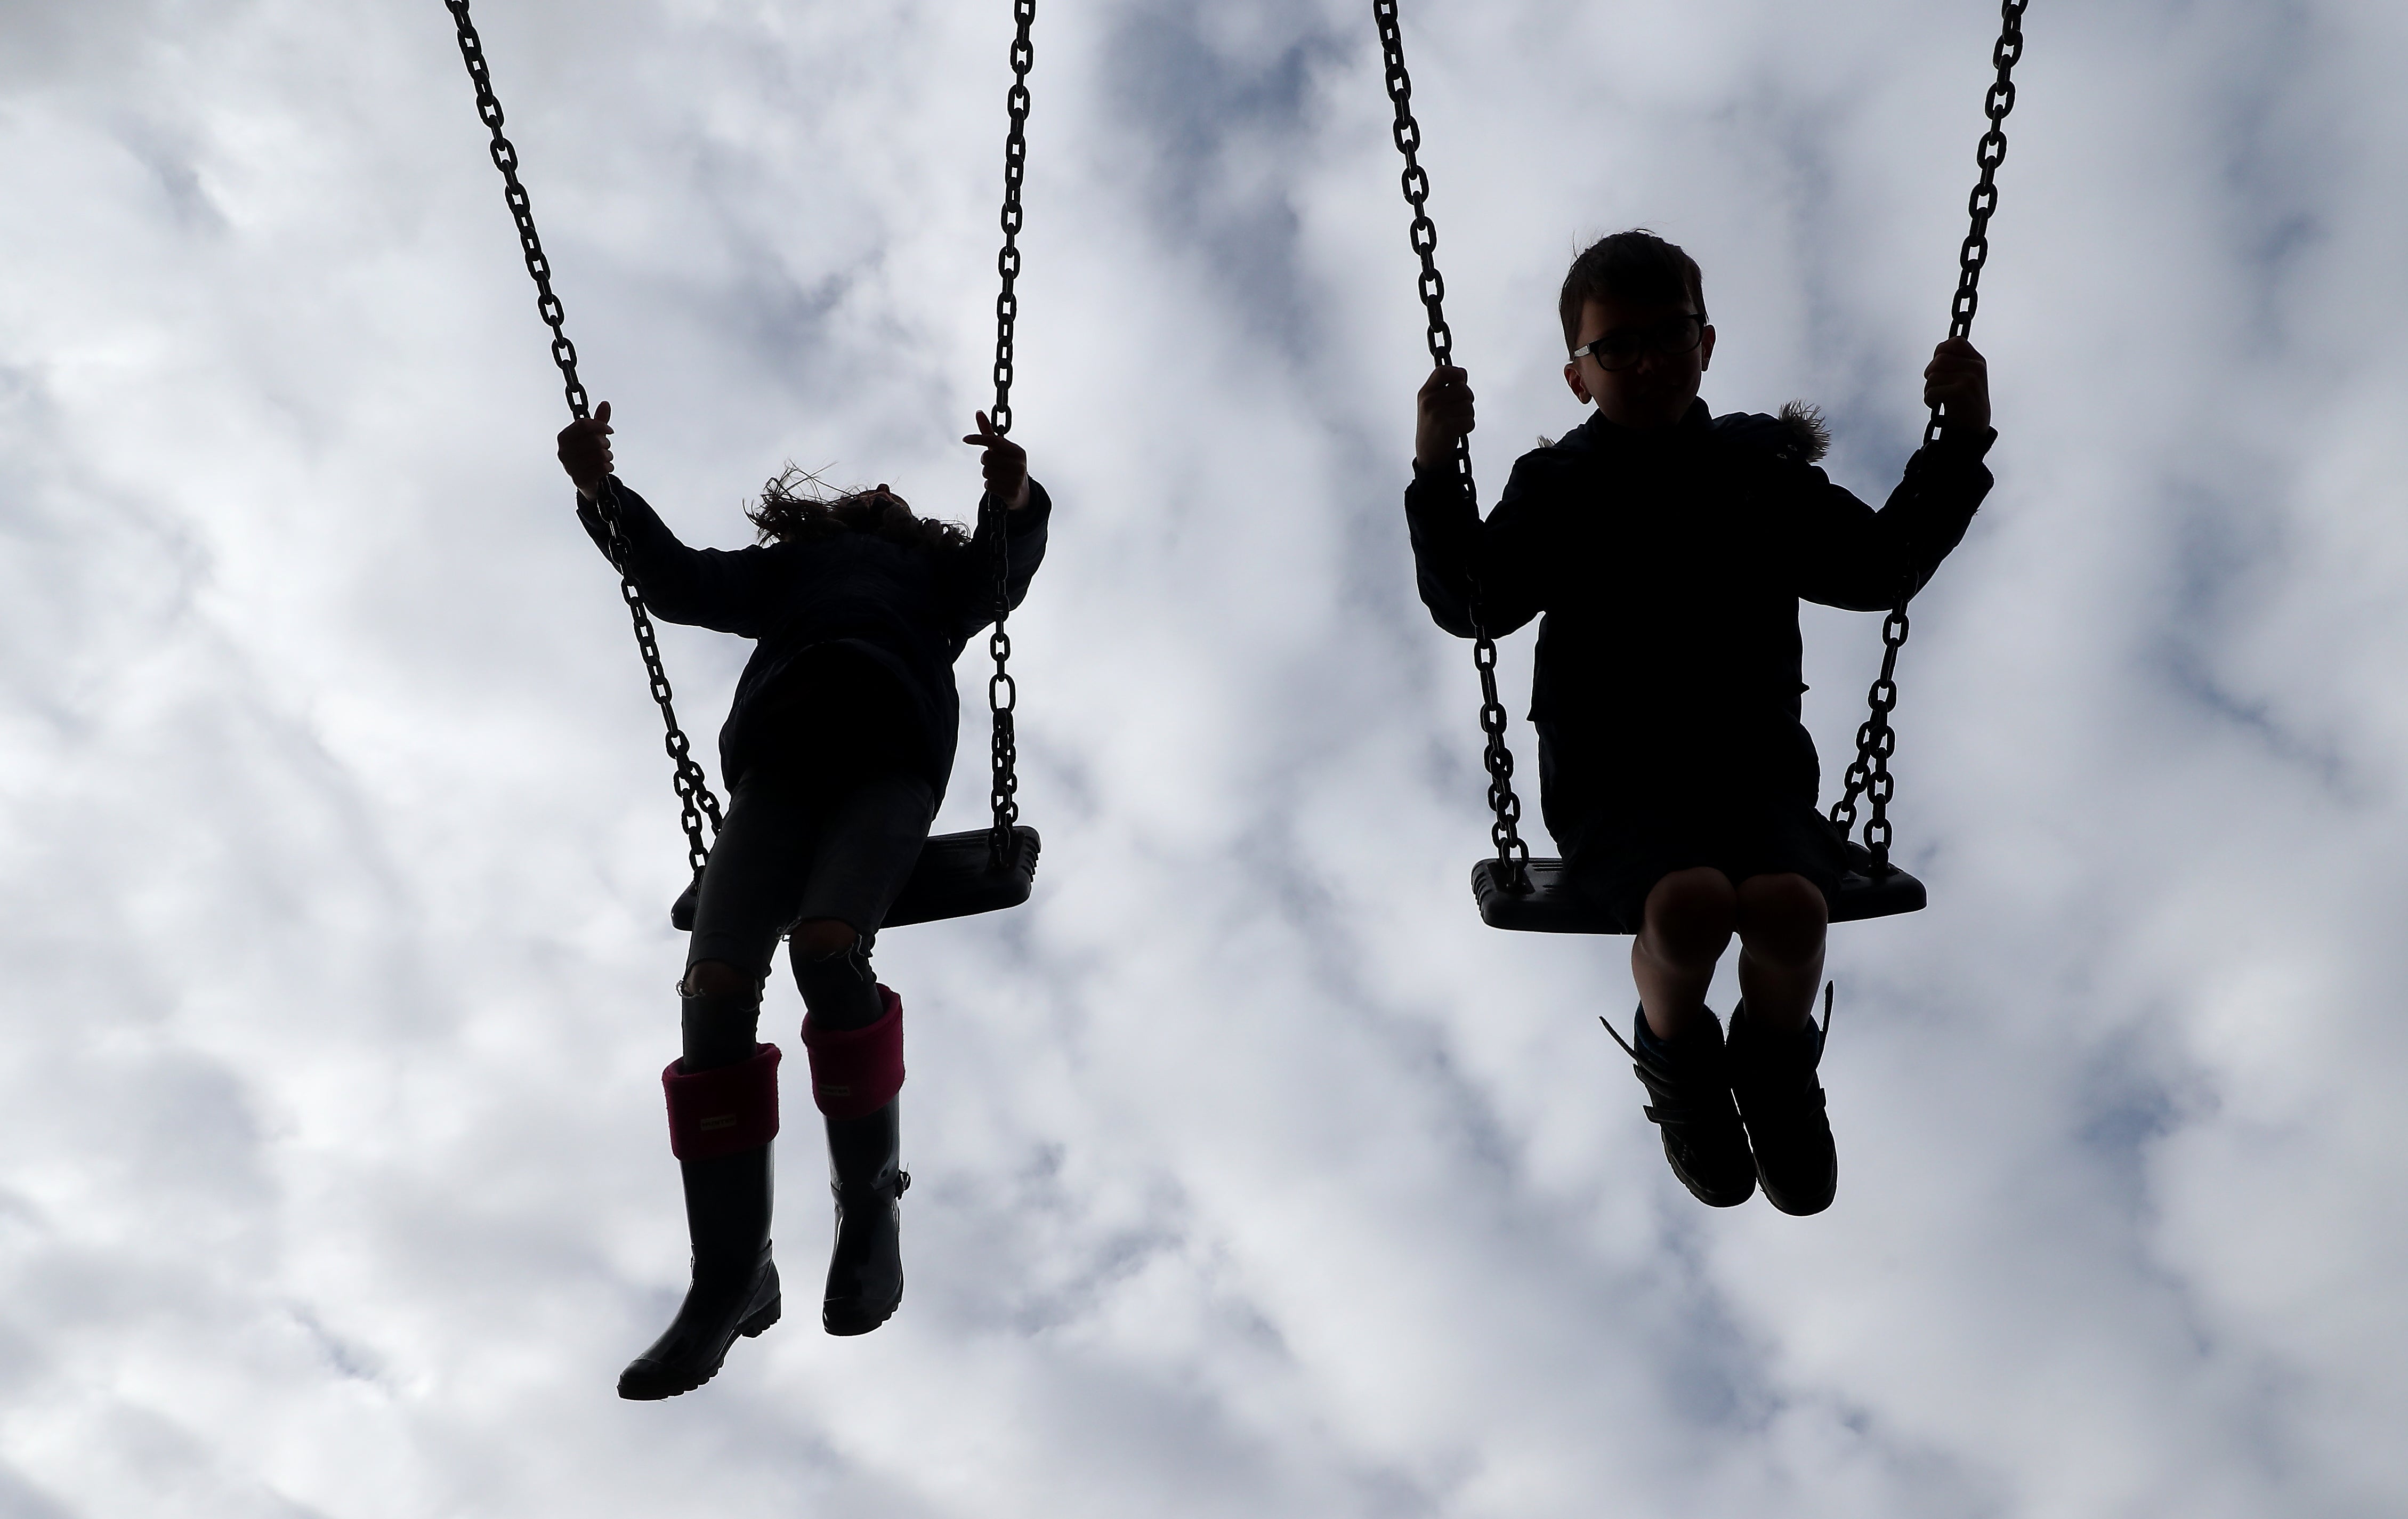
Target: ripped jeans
x=794, y=849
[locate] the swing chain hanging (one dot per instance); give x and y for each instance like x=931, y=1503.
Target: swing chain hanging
x=1983, y=202
x=696, y=805
x=1876, y=740
x=1513, y=852
x=1002, y=691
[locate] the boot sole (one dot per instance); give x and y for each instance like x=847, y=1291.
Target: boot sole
x=1722, y=1200
x=1740, y=1186
x=752, y=1328
x=1797, y=1203
x=1799, y=1208
x=845, y=1326
x=643, y=1392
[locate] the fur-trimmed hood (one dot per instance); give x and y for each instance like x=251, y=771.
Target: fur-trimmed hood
x=1797, y=435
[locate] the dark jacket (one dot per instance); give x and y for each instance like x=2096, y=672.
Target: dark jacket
x=906, y=611
x=1666, y=568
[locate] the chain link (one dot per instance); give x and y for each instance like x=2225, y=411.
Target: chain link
x=1505, y=832
x=1983, y=202
x=1002, y=691
x=696, y=805
x=1876, y=740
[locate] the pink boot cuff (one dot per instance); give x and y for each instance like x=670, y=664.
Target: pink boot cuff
x=720, y=1112
x=856, y=1071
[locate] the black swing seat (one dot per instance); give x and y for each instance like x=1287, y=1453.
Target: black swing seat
x=958, y=877
x=1553, y=905
x=955, y=878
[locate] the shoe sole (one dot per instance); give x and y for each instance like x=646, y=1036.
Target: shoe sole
x=846, y=1327
x=752, y=1328
x=1740, y=1192
x=1712, y=1201
x=1794, y=1205
x=1799, y=1210
x=655, y=1392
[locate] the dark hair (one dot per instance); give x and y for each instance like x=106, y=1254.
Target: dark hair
x=796, y=507
x=1634, y=265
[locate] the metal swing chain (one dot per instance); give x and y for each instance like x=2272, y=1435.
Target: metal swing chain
x=1513, y=852
x=1876, y=740
x=696, y=805
x=1002, y=691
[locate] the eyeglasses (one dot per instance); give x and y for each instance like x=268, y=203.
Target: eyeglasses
x=1620, y=350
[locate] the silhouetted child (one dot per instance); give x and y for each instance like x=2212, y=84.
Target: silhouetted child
x=836, y=754
x=1667, y=550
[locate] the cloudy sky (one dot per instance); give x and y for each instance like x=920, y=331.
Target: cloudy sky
x=1255, y=1176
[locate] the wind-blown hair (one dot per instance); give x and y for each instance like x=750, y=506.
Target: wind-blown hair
x=797, y=506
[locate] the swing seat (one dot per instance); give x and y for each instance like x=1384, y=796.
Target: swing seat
x=957, y=878
x=1554, y=906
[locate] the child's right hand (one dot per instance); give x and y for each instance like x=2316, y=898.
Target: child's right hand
x=1442, y=416
x=1958, y=380
x=585, y=451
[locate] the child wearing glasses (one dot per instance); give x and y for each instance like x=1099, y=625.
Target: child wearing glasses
x=1666, y=550
x=836, y=753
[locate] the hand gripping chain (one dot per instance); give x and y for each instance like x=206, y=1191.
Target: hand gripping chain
x=695, y=803
x=1002, y=692
x=1513, y=853
x=1876, y=740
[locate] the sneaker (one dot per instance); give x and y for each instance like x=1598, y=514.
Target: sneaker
x=1780, y=1102
x=1692, y=1107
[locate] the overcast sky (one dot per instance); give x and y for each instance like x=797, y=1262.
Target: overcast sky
x=1254, y=1176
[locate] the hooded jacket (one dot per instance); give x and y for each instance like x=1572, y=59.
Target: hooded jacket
x=848, y=598
x=1666, y=567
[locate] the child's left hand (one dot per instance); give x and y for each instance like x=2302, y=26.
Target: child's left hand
x=1958, y=379
x=1006, y=464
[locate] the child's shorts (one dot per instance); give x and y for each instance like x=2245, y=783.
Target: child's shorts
x=1619, y=860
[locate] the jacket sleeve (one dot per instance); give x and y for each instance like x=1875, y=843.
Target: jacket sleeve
x=724, y=590
x=1024, y=539
x=1852, y=556
x=1458, y=558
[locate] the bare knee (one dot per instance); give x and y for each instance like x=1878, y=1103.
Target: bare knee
x=1690, y=915
x=717, y=977
x=822, y=938
x=1782, y=917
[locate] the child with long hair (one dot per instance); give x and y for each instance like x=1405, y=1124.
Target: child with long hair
x=836, y=753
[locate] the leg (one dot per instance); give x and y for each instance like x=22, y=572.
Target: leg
x=719, y=1014
x=854, y=1031
x=1782, y=921
x=1677, y=1048
x=721, y=1124
x=722, y=1098
x=819, y=939
x=831, y=964
x=750, y=891
x=1774, y=1045
x=1690, y=916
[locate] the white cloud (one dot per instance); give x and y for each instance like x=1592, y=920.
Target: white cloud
x=1254, y=1176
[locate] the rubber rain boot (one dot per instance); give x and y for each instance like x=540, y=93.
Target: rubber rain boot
x=721, y=1122
x=856, y=1074
x=864, y=1280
